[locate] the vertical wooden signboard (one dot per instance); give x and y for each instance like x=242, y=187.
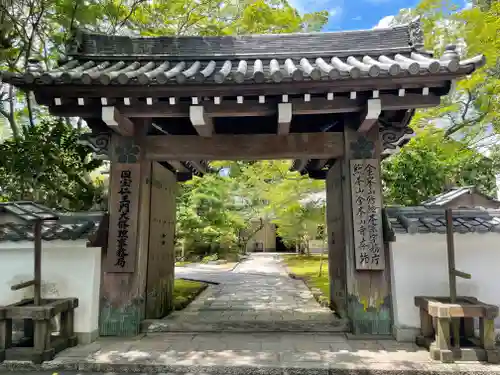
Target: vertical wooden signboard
x=367, y=214
x=123, y=216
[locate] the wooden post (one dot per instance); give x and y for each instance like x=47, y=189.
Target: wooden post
x=161, y=257
x=336, y=242
x=452, y=275
x=451, y=255
x=37, y=292
x=367, y=265
x=450, y=248
x=125, y=263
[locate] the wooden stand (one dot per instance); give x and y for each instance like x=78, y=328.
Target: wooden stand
x=38, y=344
x=447, y=323
x=438, y=315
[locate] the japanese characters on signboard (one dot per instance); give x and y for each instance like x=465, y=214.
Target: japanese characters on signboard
x=367, y=214
x=124, y=202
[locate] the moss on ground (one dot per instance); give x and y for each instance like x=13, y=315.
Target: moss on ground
x=183, y=263
x=185, y=291
x=307, y=268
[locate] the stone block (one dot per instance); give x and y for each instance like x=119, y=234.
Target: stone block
x=405, y=334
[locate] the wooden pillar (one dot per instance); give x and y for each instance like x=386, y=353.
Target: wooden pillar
x=367, y=259
x=161, y=259
x=122, y=307
x=336, y=242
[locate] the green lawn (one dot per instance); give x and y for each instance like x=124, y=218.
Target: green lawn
x=182, y=263
x=185, y=292
x=307, y=268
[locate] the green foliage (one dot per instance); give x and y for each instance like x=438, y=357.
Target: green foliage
x=46, y=165
x=428, y=163
x=217, y=214
x=473, y=110
x=206, y=219
x=37, y=30
x=185, y=291
x=308, y=268
x=471, y=113
x=216, y=17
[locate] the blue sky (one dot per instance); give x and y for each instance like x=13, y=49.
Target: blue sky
x=354, y=14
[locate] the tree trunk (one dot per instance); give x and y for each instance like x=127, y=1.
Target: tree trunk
x=10, y=117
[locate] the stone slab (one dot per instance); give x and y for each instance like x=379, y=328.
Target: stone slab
x=250, y=353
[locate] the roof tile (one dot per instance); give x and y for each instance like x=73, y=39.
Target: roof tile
x=451, y=194
x=241, y=47
x=120, y=60
x=69, y=226
x=228, y=71
x=422, y=219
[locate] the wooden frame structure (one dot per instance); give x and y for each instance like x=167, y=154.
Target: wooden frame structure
x=447, y=323
x=37, y=344
x=161, y=108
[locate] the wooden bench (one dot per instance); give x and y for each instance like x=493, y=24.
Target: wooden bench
x=38, y=344
x=436, y=317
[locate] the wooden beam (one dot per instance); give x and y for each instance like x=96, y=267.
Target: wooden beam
x=370, y=114
x=116, y=121
x=251, y=107
x=198, y=166
x=299, y=165
x=201, y=122
x=408, y=101
x=178, y=166
x=284, y=118
x=244, y=147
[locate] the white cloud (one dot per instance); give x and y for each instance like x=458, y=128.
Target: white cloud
x=467, y=4
x=299, y=5
x=357, y=18
x=384, y=22
x=404, y=15
x=335, y=13
x=305, y=6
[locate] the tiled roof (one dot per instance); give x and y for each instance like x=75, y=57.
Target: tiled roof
x=432, y=220
x=449, y=195
x=69, y=226
x=28, y=212
x=400, y=38
x=107, y=60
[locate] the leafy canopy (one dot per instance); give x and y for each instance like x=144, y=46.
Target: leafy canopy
x=429, y=163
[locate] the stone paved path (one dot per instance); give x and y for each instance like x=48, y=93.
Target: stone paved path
x=256, y=296
x=249, y=353
x=257, y=288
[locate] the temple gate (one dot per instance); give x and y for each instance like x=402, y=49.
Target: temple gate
x=161, y=108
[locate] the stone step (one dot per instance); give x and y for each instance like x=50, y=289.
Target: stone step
x=349, y=366
x=163, y=325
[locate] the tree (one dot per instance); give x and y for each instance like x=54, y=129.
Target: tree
x=37, y=29
x=218, y=212
x=430, y=162
x=33, y=34
x=268, y=192
x=296, y=218
x=298, y=223
x=472, y=110
x=47, y=165
x=206, y=219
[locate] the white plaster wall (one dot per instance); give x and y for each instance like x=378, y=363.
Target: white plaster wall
x=419, y=267
x=69, y=269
